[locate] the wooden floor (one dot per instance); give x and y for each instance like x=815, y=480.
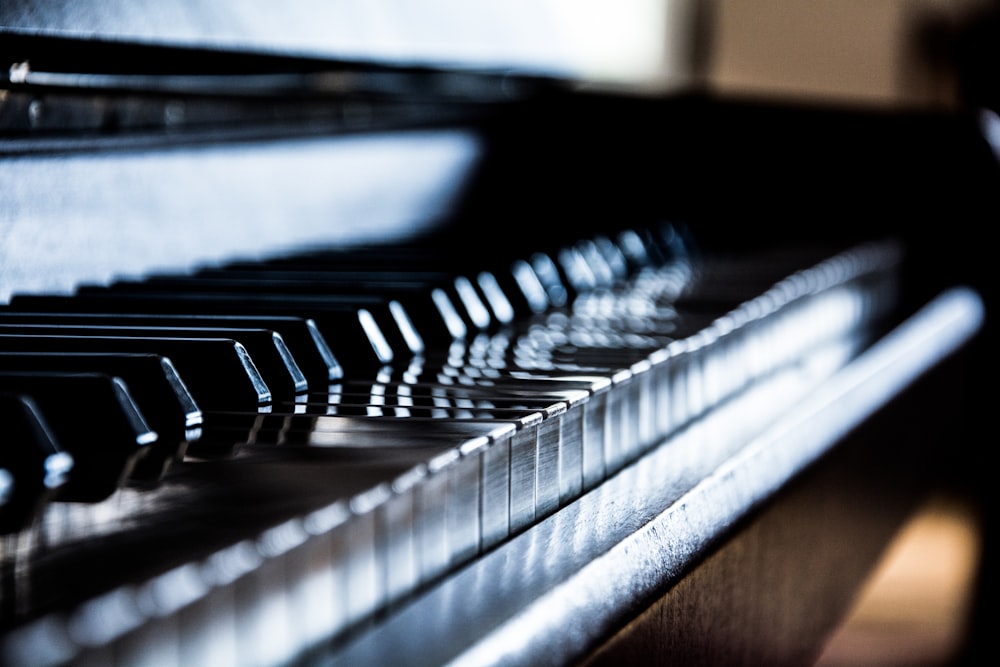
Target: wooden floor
x=912, y=612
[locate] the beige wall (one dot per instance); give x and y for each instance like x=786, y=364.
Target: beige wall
x=856, y=51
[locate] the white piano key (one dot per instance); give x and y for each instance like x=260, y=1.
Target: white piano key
x=463, y=513
x=207, y=630
x=364, y=591
x=617, y=434
x=659, y=403
x=320, y=588
x=97, y=624
x=433, y=556
x=523, y=471
x=571, y=445
x=158, y=640
x=595, y=426
x=643, y=398
x=46, y=642
x=495, y=486
x=547, y=486
x=395, y=523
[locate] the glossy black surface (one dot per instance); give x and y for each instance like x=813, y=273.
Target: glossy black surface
x=154, y=384
x=95, y=419
x=217, y=371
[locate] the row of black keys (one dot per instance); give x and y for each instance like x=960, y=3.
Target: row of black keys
x=111, y=385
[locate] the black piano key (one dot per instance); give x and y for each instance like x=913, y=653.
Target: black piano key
x=156, y=387
x=94, y=419
x=614, y=257
x=641, y=250
x=334, y=314
x=434, y=306
x=581, y=272
x=226, y=433
x=558, y=292
x=218, y=372
x=356, y=329
x=656, y=247
x=418, y=292
x=308, y=347
x=267, y=349
x=518, y=287
x=492, y=286
x=501, y=290
x=34, y=465
x=431, y=264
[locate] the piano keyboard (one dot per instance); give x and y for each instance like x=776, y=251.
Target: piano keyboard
x=336, y=431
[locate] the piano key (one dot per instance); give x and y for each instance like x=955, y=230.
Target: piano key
x=589, y=421
x=432, y=299
x=472, y=475
x=629, y=377
x=533, y=489
x=225, y=433
x=507, y=473
x=451, y=400
x=337, y=505
x=308, y=347
x=419, y=266
x=192, y=281
x=535, y=477
x=427, y=305
x=34, y=465
x=95, y=420
x=492, y=473
x=218, y=372
x=499, y=289
x=489, y=446
x=415, y=270
x=328, y=310
x=355, y=328
x=267, y=349
x=588, y=396
x=418, y=291
x=380, y=499
x=155, y=386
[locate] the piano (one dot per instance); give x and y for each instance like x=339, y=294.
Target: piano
x=320, y=350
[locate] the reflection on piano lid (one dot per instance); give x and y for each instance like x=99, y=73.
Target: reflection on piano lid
x=129, y=211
